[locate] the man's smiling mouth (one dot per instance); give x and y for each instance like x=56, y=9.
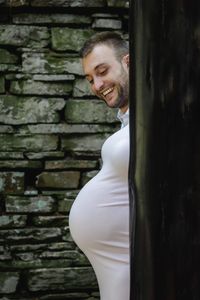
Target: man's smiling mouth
x=106, y=92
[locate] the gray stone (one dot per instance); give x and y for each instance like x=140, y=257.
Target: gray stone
x=57, y=77
x=65, y=296
x=11, y=155
x=69, y=245
x=8, y=221
x=57, y=180
x=67, y=128
x=14, y=76
x=17, y=3
x=28, y=142
x=42, y=247
x=25, y=257
x=29, y=261
x=82, y=88
x=42, y=155
x=69, y=3
x=25, y=164
x=21, y=35
x=31, y=87
x=68, y=39
x=21, y=298
x=6, y=129
x=69, y=164
x=5, y=257
x=2, y=249
x=23, y=110
x=46, y=63
x=11, y=182
x=61, y=279
x=2, y=85
x=23, y=204
x=118, y=3
x=30, y=191
x=73, y=256
x=89, y=111
x=95, y=294
x=33, y=50
x=9, y=68
x=51, y=19
x=65, y=205
x=31, y=235
x=89, y=143
x=107, y=23
x=87, y=176
x=71, y=194
x=87, y=154
x=7, y=57
x=53, y=221
x=105, y=16
x=8, y=282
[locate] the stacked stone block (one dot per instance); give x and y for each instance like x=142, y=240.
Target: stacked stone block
x=51, y=132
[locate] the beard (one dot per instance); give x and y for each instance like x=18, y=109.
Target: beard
x=121, y=100
x=122, y=91
x=123, y=95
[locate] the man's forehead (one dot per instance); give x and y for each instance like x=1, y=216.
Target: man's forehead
x=100, y=55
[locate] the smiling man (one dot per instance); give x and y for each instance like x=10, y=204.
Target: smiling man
x=99, y=217
x=105, y=62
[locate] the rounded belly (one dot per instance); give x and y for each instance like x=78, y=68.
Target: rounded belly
x=99, y=216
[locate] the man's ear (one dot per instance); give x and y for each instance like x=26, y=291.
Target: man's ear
x=125, y=60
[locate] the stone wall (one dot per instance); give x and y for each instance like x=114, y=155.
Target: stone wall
x=51, y=132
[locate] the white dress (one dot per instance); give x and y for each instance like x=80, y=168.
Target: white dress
x=99, y=219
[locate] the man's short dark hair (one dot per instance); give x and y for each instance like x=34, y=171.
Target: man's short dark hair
x=109, y=38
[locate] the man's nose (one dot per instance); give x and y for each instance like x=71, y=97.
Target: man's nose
x=98, y=84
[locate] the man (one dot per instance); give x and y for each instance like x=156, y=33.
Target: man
x=105, y=59
x=99, y=218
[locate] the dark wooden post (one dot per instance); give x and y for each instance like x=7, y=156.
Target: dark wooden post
x=165, y=142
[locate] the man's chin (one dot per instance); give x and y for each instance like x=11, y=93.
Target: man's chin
x=111, y=104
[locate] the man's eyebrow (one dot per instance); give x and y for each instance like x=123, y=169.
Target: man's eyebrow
x=98, y=66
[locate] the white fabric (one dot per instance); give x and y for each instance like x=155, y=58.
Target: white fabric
x=99, y=219
x=123, y=117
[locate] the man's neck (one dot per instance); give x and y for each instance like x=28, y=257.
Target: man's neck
x=123, y=117
x=123, y=110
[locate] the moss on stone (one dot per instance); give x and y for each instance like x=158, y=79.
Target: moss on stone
x=69, y=39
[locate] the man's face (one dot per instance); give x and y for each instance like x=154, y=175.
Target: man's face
x=108, y=77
